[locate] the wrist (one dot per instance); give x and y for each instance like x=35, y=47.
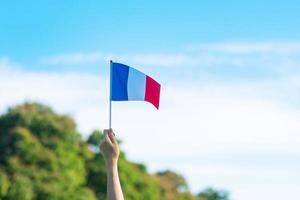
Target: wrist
x=111, y=163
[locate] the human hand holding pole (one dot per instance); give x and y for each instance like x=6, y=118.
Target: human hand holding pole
x=110, y=150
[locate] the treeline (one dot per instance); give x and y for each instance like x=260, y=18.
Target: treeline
x=43, y=157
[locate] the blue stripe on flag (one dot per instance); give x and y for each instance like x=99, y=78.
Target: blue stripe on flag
x=119, y=82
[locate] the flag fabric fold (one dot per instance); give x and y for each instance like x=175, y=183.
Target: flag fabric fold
x=129, y=84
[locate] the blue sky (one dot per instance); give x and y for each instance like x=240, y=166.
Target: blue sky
x=34, y=28
x=229, y=72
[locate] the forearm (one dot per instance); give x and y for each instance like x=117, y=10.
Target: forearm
x=114, y=191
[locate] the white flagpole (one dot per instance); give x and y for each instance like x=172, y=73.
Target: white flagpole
x=110, y=91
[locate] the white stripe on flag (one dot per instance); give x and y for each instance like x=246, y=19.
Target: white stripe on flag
x=136, y=85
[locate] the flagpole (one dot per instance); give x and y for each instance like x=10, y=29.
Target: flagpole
x=110, y=90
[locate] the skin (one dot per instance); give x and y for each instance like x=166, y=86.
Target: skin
x=110, y=150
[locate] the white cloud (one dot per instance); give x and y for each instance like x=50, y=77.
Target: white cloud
x=148, y=59
x=249, y=47
x=94, y=57
x=8, y=67
x=248, y=183
x=195, y=122
x=273, y=57
x=75, y=58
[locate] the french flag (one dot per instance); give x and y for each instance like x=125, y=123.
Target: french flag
x=129, y=84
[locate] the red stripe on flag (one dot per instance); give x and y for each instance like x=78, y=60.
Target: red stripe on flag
x=152, y=91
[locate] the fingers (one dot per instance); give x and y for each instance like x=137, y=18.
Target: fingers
x=112, y=136
x=109, y=136
x=106, y=136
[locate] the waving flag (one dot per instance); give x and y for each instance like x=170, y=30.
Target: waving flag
x=129, y=84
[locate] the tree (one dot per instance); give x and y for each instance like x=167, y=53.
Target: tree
x=43, y=157
x=95, y=138
x=176, y=180
x=4, y=184
x=174, y=185
x=212, y=194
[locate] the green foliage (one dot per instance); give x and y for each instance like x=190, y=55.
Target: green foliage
x=21, y=189
x=95, y=138
x=138, y=185
x=177, y=181
x=43, y=157
x=212, y=194
x=4, y=184
x=174, y=186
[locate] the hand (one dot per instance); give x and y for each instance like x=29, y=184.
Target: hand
x=109, y=148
